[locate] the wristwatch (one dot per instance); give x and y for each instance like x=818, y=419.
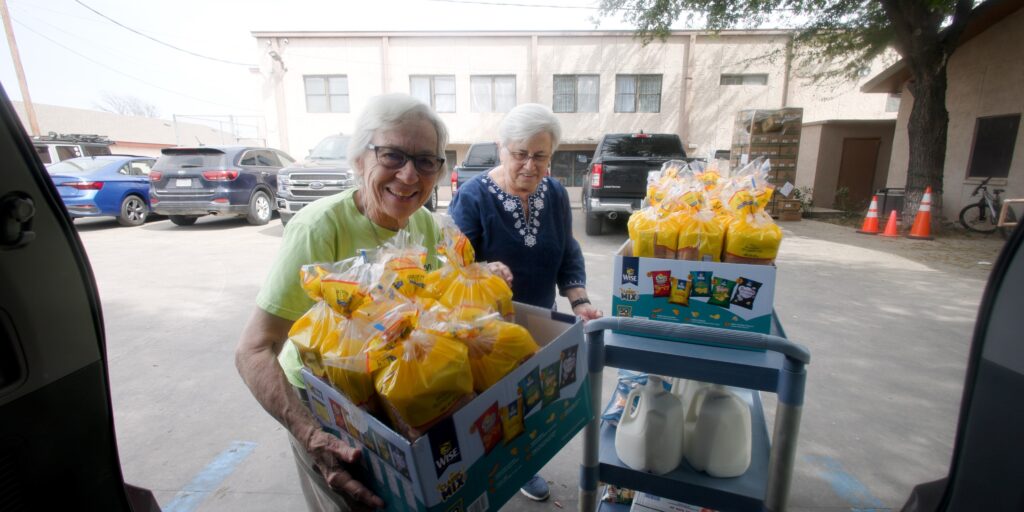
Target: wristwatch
x=577, y=302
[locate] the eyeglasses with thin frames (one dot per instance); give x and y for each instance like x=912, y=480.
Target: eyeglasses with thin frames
x=394, y=159
x=523, y=156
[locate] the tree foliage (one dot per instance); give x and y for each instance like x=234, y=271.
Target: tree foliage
x=841, y=38
x=126, y=105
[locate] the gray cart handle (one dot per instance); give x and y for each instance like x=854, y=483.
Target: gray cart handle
x=721, y=337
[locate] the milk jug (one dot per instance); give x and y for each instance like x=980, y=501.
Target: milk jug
x=721, y=439
x=649, y=436
x=689, y=392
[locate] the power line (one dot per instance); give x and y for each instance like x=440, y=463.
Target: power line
x=30, y=29
x=130, y=29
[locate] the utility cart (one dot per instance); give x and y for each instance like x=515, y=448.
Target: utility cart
x=752, y=361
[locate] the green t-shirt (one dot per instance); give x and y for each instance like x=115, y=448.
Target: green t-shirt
x=327, y=230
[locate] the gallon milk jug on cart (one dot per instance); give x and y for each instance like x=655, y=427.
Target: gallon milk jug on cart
x=721, y=441
x=689, y=392
x=649, y=436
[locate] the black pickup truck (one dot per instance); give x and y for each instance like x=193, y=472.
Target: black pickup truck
x=481, y=157
x=616, y=180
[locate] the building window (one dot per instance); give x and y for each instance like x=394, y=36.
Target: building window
x=892, y=103
x=638, y=93
x=575, y=93
x=438, y=91
x=492, y=93
x=738, y=79
x=994, y=141
x=327, y=93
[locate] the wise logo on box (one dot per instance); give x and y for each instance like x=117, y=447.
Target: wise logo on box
x=444, y=446
x=631, y=270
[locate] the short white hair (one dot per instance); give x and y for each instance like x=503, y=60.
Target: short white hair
x=387, y=111
x=527, y=120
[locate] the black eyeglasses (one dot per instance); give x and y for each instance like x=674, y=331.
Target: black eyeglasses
x=394, y=159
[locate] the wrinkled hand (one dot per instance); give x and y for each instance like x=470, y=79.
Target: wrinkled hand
x=501, y=270
x=329, y=453
x=587, y=312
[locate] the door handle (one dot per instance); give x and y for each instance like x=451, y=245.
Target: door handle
x=16, y=214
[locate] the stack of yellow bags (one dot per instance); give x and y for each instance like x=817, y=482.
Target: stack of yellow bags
x=412, y=344
x=693, y=213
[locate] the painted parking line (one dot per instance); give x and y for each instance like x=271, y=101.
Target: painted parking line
x=845, y=485
x=209, y=479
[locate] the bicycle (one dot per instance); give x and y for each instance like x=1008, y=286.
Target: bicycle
x=983, y=216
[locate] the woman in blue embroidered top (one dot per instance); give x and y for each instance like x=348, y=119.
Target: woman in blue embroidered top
x=517, y=215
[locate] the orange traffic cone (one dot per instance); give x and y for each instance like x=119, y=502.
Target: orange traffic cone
x=922, y=228
x=870, y=226
x=890, y=227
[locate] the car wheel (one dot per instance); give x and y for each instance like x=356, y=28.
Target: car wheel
x=285, y=217
x=260, y=209
x=594, y=224
x=133, y=211
x=184, y=220
x=432, y=202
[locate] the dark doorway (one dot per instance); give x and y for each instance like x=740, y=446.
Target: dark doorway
x=857, y=173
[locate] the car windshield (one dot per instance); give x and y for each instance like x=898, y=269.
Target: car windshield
x=77, y=166
x=485, y=154
x=331, y=148
x=190, y=160
x=642, y=146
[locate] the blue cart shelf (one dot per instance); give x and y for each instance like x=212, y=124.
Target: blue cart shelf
x=753, y=361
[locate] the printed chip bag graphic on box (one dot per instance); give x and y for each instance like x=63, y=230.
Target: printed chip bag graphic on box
x=723, y=295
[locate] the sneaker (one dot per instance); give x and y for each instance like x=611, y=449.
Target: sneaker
x=536, y=489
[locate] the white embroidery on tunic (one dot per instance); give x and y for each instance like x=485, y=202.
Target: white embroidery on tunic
x=512, y=204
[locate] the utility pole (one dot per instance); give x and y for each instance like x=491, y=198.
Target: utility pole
x=26, y=99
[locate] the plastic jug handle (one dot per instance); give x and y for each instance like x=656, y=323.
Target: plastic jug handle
x=632, y=404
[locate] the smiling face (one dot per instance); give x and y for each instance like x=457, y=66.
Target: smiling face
x=390, y=196
x=523, y=175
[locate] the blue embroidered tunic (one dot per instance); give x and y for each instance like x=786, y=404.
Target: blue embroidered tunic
x=537, y=246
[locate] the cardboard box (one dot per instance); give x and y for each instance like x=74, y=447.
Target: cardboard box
x=644, y=502
x=634, y=293
x=473, y=461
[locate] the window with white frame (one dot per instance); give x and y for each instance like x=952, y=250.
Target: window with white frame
x=326, y=93
x=638, y=93
x=438, y=91
x=743, y=79
x=492, y=93
x=575, y=93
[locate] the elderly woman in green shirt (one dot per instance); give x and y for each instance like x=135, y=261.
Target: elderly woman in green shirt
x=396, y=152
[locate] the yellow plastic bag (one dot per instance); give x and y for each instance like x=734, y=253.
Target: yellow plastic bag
x=643, y=234
x=701, y=237
x=314, y=333
x=428, y=379
x=454, y=244
x=405, y=255
x=475, y=285
x=346, y=363
x=752, y=236
x=495, y=347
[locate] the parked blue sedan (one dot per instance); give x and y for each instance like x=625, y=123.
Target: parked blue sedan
x=102, y=186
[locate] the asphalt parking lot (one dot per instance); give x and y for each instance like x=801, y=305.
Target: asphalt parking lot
x=888, y=324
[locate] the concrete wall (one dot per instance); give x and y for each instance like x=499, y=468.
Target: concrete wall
x=693, y=103
x=985, y=77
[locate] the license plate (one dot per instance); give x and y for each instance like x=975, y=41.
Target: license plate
x=183, y=182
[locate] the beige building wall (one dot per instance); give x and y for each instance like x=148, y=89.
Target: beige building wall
x=694, y=104
x=985, y=76
x=821, y=153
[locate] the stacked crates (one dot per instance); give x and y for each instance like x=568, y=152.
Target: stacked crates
x=774, y=134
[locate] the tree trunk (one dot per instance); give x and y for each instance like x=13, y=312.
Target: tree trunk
x=927, y=132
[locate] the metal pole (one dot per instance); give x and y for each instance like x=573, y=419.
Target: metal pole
x=26, y=98
x=782, y=457
x=589, y=473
